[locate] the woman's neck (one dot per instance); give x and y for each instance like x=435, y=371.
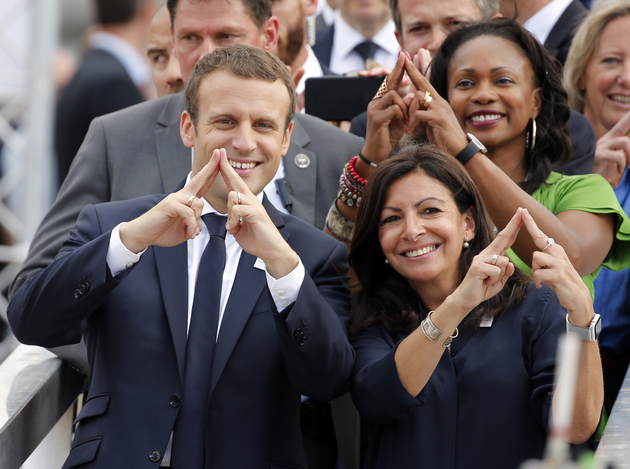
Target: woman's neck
x=510, y=158
x=433, y=293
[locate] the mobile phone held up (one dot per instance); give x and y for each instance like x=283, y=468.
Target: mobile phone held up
x=339, y=98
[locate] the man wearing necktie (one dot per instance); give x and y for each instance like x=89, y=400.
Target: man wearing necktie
x=206, y=312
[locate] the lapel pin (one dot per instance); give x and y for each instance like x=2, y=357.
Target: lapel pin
x=302, y=161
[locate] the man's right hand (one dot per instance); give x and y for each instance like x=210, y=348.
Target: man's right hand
x=172, y=221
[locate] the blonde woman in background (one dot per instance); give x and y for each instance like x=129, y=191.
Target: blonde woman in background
x=597, y=79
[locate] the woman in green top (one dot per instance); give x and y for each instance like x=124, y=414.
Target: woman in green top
x=494, y=81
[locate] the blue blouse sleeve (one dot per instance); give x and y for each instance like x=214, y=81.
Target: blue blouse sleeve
x=376, y=390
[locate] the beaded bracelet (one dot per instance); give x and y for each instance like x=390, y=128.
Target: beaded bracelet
x=351, y=185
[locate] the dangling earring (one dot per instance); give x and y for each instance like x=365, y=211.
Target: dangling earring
x=311, y=28
x=533, y=135
x=386, y=261
x=527, y=142
x=466, y=245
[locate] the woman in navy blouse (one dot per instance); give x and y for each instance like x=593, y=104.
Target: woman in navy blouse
x=456, y=348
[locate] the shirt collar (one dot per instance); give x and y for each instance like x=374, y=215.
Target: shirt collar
x=346, y=38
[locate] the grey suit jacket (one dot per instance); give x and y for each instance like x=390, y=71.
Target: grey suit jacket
x=138, y=151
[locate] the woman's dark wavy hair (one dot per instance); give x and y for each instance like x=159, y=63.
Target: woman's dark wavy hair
x=553, y=145
x=386, y=295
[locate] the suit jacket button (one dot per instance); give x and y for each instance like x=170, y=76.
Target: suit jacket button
x=175, y=400
x=77, y=294
x=155, y=455
x=87, y=287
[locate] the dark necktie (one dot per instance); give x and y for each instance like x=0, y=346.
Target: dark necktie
x=366, y=50
x=189, y=438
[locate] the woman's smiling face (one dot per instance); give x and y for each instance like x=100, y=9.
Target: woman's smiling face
x=422, y=232
x=491, y=90
x=606, y=80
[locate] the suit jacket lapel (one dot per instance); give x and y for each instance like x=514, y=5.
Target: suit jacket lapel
x=565, y=27
x=173, y=157
x=301, y=181
x=240, y=306
x=172, y=268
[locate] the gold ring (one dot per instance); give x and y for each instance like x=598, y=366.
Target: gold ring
x=382, y=90
x=427, y=99
x=238, y=198
x=190, y=200
x=494, y=259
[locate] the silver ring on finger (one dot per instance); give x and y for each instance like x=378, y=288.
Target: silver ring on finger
x=190, y=200
x=494, y=259
x=550, y=242
x=238, y=198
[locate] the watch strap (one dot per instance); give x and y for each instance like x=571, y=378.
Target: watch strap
x=467, y=153
x=590, y=333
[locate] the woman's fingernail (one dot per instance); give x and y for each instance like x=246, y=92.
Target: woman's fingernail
x=408, y=56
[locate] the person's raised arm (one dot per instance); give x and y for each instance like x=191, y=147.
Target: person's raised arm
x=252, y=228
x=417, y=355
x=176, y=218
x=502, y=196
x=552, y=266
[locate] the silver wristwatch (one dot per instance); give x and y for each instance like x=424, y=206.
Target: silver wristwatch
x=590, y=333
x=480, y=146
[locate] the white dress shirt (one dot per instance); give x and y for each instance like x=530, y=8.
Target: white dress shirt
x=343, y=57
x=541, y=23
x=312, y=69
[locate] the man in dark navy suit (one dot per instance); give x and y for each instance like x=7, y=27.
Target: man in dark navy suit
x=553, y=22
x=206, y=312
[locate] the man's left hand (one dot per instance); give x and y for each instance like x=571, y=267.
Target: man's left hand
x=250, y=224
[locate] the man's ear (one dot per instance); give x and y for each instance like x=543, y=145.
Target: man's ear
x=270, y=31
x=286, y=140
x=187, y=130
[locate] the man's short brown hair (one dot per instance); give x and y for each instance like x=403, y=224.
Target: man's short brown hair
x=242, y=61
x=259, y=10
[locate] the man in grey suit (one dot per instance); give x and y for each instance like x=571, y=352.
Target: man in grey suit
x=138, y=151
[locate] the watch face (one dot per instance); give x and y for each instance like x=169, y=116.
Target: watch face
x=475, y=140
x=598, y=325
